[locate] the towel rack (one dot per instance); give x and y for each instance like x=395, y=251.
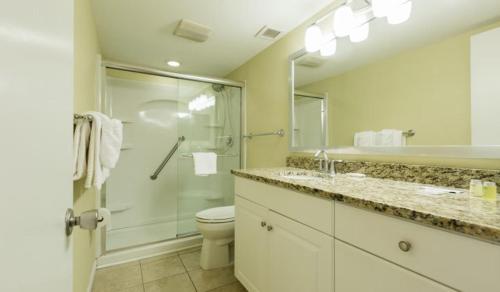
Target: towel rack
x=279, y=132
x=409, y=133
x=82, y=117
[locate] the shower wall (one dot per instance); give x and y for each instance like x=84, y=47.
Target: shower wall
x=155, y=112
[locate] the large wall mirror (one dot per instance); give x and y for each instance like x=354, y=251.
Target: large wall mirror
x=430, y=83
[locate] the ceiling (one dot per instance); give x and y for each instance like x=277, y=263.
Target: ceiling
x=140, y=32
x=431, y=21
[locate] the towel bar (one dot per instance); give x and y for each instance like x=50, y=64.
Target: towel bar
x=279, y=132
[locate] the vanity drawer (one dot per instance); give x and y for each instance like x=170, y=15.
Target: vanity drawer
x=458, y=261
x=309, y=210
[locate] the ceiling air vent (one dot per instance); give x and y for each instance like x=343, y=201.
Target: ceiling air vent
x=192, y=31
x=267, y=33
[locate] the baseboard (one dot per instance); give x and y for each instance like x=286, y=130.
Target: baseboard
x=92, y=276
x=137, y=253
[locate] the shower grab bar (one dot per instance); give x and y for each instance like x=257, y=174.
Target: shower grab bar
x=279, y=132
x=165, y=161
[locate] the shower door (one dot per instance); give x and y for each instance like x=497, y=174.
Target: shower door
x=209, y=119
x=156, y=111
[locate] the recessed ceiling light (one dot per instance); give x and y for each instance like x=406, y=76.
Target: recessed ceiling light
x=173, y=63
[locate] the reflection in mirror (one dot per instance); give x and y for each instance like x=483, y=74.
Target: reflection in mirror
x=430, y=81
x=309, y=123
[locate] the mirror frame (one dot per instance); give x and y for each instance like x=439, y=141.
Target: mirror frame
x=448, y=151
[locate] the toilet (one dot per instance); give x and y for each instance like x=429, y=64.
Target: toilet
x=216, y=225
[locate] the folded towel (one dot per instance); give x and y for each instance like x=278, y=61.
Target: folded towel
x=104, y=148
x=94, y=168
x=364, y=139
x=80, y=144
x=390, y=137
x=111, y=142
x=205, y=163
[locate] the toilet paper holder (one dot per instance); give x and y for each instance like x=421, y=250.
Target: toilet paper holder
x=87, y=220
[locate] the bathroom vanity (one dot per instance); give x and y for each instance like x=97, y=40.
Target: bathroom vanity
x=299, y=230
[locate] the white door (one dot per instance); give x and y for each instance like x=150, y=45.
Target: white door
x=300, y=259
x=356, y=270
x=250, y=244
x=36, y=104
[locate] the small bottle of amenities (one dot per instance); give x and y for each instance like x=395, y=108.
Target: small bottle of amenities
x=490, y=191
x=476, y=188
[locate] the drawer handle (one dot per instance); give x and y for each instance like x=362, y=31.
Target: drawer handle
x=404, y=245
x=263, y=223
x=269, y=228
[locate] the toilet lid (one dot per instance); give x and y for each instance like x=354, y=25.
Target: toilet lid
x=219, y=214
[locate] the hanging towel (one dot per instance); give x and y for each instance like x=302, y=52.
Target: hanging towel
x=364, y=139
x=111, y=142
x=81, y=136
x=205, y=163
x=95, y=176
x=390, y=138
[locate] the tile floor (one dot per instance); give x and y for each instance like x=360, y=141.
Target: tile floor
x=177, y=272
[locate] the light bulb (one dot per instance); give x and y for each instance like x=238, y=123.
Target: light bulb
x=343, y=21
x=400, y=13
x=329, y=48
x=382, y=8
x=360, y=33
x=313, y=38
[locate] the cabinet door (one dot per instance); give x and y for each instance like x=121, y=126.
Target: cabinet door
x=300, y=259
x=356, y=270
x=250, y=244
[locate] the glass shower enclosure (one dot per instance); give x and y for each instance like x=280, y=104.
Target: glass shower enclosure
x=157, y=112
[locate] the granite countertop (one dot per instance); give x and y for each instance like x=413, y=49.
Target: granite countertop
x=457, y=212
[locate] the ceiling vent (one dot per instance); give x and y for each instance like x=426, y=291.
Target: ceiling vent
x=311, y=61
x=192, y=31
x=267, y=33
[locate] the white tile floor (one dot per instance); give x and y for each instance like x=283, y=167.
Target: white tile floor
x=177, y=272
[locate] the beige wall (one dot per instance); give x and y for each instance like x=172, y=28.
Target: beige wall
x=266, y=77
x=86, y=50
x=426, y=89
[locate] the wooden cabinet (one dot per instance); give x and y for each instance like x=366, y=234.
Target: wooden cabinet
x=275, y=253
x=288, y=241
x=250, y=244
x=357, y=270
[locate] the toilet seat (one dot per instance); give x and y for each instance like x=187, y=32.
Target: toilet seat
x=216, y=215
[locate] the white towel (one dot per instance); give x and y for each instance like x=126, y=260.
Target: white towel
x=111, y=142
x=364, y=139
x=80, y=143
x=205, y=163
x=94, y=168
x=106, y=135
x=390, y=138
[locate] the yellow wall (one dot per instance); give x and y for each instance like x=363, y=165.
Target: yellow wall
x=426, y=89
x=86, y=51
x=267, y=95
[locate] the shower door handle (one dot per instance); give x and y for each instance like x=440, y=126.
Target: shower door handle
x=167, y=158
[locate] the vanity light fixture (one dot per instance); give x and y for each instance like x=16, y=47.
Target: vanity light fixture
x=355, y=24
x=313, y=38
x=343, y=21
x=173, y=63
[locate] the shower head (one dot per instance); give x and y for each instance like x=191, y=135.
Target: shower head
x=218, y=87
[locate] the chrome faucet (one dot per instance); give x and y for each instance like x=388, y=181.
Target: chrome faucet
x=326, y=165
x=322, y=157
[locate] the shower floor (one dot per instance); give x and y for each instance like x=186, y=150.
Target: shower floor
x=134, y=236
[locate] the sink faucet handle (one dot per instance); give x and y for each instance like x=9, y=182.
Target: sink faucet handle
x=321, y=154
